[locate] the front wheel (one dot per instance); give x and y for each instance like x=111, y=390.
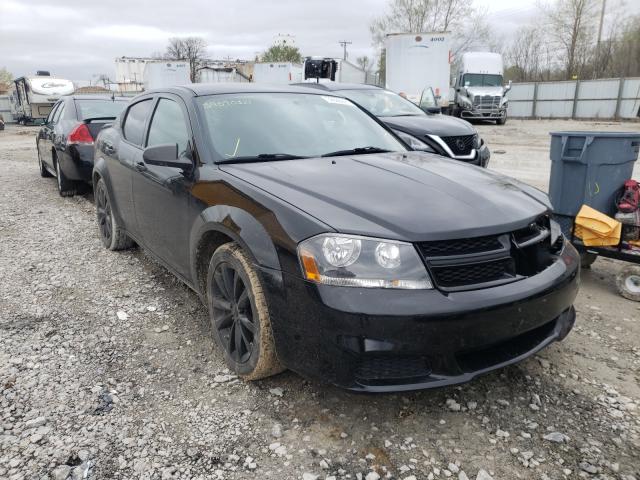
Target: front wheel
x=628, y=282
x=503, y=120
x=239, y=314
x=111, y=233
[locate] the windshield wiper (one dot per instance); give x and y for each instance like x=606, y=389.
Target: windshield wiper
x=356, y=151
x=262, y=157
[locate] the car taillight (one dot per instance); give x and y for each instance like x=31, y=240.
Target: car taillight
x=80, y=134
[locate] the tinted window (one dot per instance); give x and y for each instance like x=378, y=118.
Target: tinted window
x=168, y=126
x=291, y=123
x=99, y=108
x=58, y=113
x=134, y=123
x=52, y=113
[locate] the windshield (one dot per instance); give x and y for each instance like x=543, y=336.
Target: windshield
x=482, y=80
x=289, y=124
x=99, y=108
x=382, y=103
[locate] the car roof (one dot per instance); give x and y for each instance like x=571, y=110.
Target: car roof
x=202, y=89
x=96, y=97
x=336, y=86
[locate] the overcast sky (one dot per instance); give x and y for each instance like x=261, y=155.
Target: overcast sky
x=77, y=39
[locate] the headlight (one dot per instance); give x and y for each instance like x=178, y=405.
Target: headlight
x=466, y=103
x=556, y=230
x=353, y=261
x=414, y=142
x=477, y=142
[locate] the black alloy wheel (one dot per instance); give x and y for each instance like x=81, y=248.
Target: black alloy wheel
x=234, y=318
x=103, y=212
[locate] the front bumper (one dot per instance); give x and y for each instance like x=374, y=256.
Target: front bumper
x=395, y=340
x=483, y=114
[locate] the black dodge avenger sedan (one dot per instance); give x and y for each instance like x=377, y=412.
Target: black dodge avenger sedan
x=321, y=244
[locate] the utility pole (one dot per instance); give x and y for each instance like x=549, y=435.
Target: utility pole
x=344, y=44
x=598, y=53
x=604, y=4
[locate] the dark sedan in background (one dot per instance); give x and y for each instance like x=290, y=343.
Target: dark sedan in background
x=422, y=128
x=320, y=243
x=65, y=141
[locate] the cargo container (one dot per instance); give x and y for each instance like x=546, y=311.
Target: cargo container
x=417, y=61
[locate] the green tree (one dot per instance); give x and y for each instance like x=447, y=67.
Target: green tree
x=5, y=76
x=282, y=53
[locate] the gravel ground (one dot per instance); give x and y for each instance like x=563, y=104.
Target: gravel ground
x=108, y=370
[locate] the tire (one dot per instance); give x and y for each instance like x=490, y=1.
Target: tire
x=239, y=314
x=66, y=187
x=628, y=282
x=111, y=233
x=587, y=259
x=502, y=120
x=43, y=170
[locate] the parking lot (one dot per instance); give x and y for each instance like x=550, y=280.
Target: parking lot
x=108, y=370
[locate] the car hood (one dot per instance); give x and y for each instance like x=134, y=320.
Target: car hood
x=410, y=196
x=420, y=125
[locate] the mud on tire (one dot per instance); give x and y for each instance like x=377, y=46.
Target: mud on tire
x=239, y=314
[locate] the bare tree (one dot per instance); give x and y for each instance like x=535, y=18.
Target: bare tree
x=190, y=49
x=468, y=25
x=364, y=63
x=571, y=24
x=415, y=16
x=525, y=55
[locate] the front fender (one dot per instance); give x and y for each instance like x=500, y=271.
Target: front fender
x=240, y=226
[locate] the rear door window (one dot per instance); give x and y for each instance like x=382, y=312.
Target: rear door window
x=53, y=112
x=135, y=121
x=58, y=113
x=168, y=126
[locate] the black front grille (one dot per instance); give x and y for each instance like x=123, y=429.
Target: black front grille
x=461, y=145
x=460, y=246
x=470, y=274
x=390, y=367
x=470, y=263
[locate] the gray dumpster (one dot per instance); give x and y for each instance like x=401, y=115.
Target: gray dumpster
x=590, y=168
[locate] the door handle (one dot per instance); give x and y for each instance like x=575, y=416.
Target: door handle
x=141, y=167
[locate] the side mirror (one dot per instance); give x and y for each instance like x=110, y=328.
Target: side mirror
x=166, y=156
x=432, y=110
x=508, y=87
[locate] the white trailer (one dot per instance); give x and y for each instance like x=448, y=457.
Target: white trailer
x=279, y=73
x=417, y=61
x=32, y=97
x=163, y=74
x=347, y=72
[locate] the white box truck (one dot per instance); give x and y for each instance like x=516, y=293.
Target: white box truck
x=417, y=61
x=478, y=91
x=32, y=97
x=163, y=74
x=279, y=73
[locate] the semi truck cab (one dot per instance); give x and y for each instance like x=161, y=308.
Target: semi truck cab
x=478, y=91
